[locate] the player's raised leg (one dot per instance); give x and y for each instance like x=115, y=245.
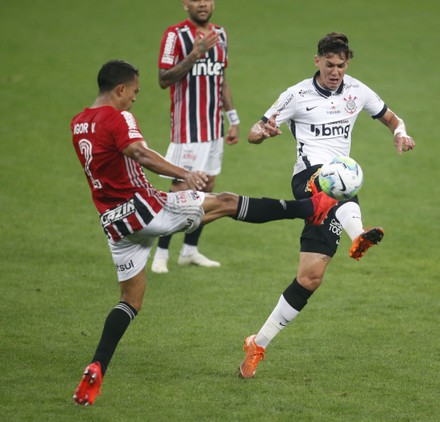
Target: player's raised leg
x=262, y=210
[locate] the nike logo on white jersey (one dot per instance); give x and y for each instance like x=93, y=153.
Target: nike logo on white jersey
x=310, y=108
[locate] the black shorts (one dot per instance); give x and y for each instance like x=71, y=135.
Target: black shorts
x=323, y=239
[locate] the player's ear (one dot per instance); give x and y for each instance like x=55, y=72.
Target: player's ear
x=119, y=90
x=316, y=60
x=185, y=5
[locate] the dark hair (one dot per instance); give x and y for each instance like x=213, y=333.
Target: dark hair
x=114, y=73
x=335, y=43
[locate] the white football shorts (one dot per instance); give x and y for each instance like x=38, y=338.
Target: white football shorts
x=183, y=211
x=198, y=156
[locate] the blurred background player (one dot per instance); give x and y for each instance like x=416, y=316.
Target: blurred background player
x=320, y=112
x=192, y=63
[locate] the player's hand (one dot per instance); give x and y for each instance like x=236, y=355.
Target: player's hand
x=270, y=128
x=196, y=180
x=233, y=135
x=403, y=143
x=204, y=43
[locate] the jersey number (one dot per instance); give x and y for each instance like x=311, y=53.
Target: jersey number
x=85, y=146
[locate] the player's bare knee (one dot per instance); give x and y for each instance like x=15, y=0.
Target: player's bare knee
x=310, y=282
x=229, y=202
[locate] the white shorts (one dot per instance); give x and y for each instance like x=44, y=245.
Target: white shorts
x=201, y=156
x=183, y=211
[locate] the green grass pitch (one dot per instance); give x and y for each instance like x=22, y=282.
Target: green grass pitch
x=367, y=348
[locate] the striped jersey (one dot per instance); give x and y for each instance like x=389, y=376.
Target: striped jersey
x=124, y=198
x=196, y=100
x=322, y=121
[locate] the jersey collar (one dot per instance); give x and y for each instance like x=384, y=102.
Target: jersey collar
x=325, y=92
x=193, y=27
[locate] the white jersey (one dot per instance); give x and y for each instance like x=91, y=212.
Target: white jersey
x=321, y=120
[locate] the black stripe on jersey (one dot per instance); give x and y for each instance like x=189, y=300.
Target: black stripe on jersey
x=142, y=210
x=192, y=105
x=212, y=98
x=292, y=127
x=306, y=161
x=122, y=228
x=192, y=86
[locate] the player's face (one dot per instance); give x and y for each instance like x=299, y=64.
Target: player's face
x=199, y=11
x=332, y=69
x=129, y=92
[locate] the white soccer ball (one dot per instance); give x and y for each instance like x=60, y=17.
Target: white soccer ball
x=341, y=178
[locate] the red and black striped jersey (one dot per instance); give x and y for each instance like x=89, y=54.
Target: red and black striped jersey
x=120, y=191
x=196, y=100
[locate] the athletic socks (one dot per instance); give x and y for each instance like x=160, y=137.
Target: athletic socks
x=161, y=253
x=164, y=242
x=192, y=238
x=349, y=215
x=282, y=314
x=297, y=295
x=262, y=210
x=188, y=250
x=291, y=302
x=115, y=326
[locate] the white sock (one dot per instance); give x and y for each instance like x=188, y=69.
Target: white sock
x=188, y=250
x=161, y=253
x=282, y=314
x=349, y=215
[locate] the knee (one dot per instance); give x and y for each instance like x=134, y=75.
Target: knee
x=133, y=302
x=310, y=281
x=229, y=202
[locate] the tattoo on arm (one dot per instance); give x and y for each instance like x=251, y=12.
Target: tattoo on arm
x=169, y=77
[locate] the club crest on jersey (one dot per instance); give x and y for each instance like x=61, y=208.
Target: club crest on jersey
x=350, y=106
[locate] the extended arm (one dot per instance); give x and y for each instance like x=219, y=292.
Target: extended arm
x=154, y=162
x=402, y=141
x=260, y=131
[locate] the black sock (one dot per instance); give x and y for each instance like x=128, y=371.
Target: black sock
x=164, y=242
x=262, y=210
x=296, y=295
x=193, y=237
x=115, y=326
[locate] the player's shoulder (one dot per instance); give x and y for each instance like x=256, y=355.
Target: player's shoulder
x=178, y=27
x=112, y=118
x=218, y=27
x=350, y=81
x=302, y=88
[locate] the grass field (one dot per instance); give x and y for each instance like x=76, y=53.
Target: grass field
x=367, y=348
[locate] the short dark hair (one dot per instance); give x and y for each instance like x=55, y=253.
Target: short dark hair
x=114, y=73
x=335, y=43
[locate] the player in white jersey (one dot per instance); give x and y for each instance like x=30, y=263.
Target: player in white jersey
x=320, y=112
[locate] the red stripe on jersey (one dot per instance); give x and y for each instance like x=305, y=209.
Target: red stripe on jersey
x=196, y=100
x=202, y=112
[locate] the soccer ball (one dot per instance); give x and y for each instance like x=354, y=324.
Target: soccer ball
x=341, y=178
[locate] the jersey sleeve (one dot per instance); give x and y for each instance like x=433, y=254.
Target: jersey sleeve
x=284, y=106
x=223, y=40
x=374, y=105
x=126, y=130
x=169, y=49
